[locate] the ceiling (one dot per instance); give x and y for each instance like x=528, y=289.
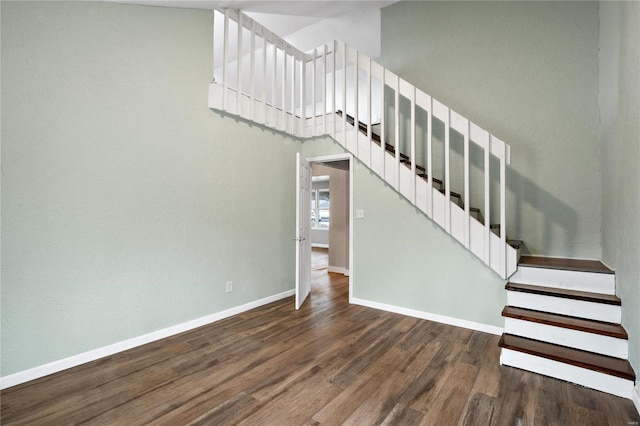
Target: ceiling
x=309, y=8
x=276, y=15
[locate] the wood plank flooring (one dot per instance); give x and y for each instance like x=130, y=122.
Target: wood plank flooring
x=329, y=363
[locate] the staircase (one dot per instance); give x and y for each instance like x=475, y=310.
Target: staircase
x=562, y=318
x=337, y=91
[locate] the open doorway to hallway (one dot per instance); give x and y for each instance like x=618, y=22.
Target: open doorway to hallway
x=334, y=264
x=330, y=213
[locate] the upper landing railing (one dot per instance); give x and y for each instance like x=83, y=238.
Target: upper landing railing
x=263, y=78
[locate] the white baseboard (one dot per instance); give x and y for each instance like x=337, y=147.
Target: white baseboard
x=92, y=355
x=635, y=397
x=457, y=322
x=339, y=270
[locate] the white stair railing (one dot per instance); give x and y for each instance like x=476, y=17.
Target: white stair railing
x=336, y=90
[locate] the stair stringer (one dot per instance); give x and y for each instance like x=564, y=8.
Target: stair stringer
x=415, y=189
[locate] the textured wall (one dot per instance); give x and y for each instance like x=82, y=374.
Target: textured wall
x=620, y=139
x=126, y=203
x=527, y=72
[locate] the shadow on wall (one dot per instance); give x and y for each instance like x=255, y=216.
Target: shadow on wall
x=555, y=215
x=525, y=199
x=533, y=214
x=556, y=224
x=546, y=223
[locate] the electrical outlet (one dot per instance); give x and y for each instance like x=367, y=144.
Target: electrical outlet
x=229, y=286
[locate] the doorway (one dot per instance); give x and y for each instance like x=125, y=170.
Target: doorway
x=337, y=249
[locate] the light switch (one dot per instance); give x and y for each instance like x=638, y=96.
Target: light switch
x=359, y=213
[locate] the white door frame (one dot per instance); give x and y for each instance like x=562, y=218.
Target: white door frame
x=329, y=159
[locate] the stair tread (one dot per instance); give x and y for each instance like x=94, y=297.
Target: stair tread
x=564, y=321
x=580, y=265
x=453, y=194
x=407, y=162
x=586, y=296
x=589, y=360
x=425, y=176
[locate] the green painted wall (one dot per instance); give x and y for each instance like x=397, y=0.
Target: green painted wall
x=126, y=203
x=401, y=258
x=527, y=72
x=620, y=144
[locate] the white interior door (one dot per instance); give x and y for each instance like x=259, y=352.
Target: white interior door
x=303, y=231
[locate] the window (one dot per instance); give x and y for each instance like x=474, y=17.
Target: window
x=320, y=209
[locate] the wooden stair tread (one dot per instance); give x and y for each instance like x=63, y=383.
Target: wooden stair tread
x=451, y=193
x=608, y=299
x=425, y=176
x=580, y=265
x=407, y=162
x=589, y=360
x=392, y=150
x=564, y=321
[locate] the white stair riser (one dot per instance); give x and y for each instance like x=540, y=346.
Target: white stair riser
x=582, y=376
x=570, y=307
x=591, y=342
x=572, y=280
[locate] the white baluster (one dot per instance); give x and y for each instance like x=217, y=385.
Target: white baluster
x=252, y=65
x=383, y=115
x=356, y=121
x=413, y=145
x=429, y=168
x=324, y=89
x=274, y=103
x=239, y=59
x=313, y=91
x=467, y=217
x=344, y=93
x=264, y=78
x=487, y=200
x=213, y=47
x=397, y=132
x=293, y=94
x=503, y=214
x=284, y=88
x=225, y=60
x=303, y=100
x=447, y=171
x=369, y=130
x=334, y=90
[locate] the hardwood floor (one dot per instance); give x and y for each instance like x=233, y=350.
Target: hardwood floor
x=329, y=363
